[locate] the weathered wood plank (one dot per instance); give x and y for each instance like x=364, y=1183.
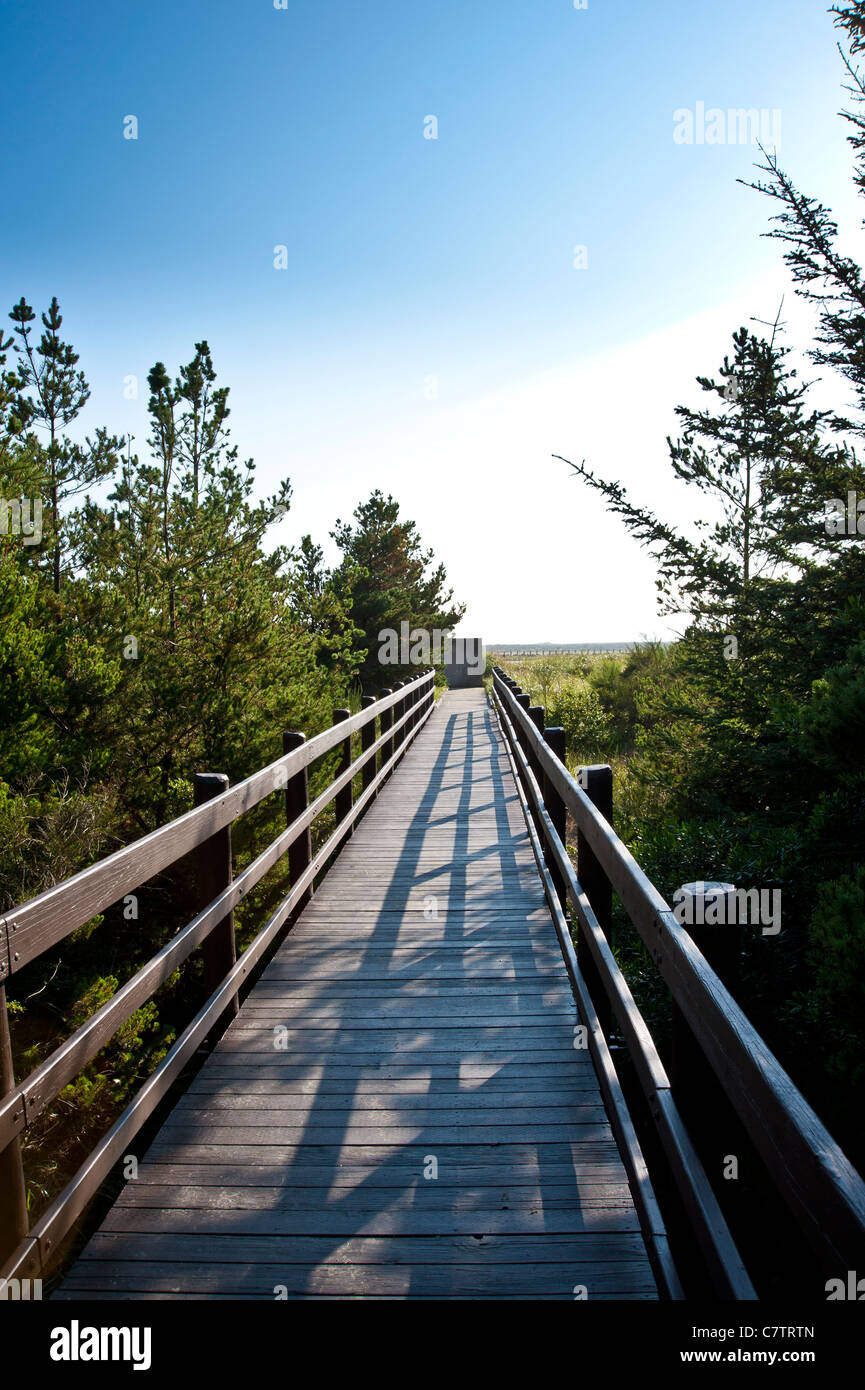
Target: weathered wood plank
x=608, y=1247
x=386, y=1221
x=525, y=1278
x=586, y=1176
x=423, y=1136
x=368, y=1092
x=483, y=1153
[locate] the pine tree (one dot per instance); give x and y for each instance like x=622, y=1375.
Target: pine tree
x=50, y=393
x=386, y=573
x=197, y=612
x=319, y=607
x=756, y=456
x=757, y=580
x=202, y=433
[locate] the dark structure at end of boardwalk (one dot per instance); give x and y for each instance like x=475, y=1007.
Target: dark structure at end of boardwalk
x=465, y=663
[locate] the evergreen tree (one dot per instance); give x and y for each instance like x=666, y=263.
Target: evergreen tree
x=50, y=393
x=385, y=572
x=823, y=274
x=199, y=615
x=318, y=604
x=756, y=456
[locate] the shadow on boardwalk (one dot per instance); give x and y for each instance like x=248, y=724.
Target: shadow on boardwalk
x=398, y=1111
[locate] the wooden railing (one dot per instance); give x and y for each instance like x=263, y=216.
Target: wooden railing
x=37, y=925
x=820, y=1187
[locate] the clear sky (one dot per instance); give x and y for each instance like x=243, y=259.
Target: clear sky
x=430, y=334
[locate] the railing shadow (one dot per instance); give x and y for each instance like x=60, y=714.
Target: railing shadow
x=464, y=785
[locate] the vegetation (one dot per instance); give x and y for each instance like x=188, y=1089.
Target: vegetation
x=148, y=632
x=736, y=749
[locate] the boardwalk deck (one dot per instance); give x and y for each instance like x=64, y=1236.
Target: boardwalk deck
x=416, y=1021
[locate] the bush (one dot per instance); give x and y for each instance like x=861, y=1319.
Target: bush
x=577, y=709
x=837, y=933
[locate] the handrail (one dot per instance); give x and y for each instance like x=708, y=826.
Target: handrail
x=413, y=702
x=30, y=929
x=648, y=1211
x=724, y=1262
x=819, y=1184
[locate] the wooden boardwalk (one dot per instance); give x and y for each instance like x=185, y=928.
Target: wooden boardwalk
x=398, y=1111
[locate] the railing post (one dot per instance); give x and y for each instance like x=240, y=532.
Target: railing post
x=398, y=711
x=213, y=875
x=421, y=697
x=403, y=708
x=697, y=1090
x=416, y=700
x=409, y=706
x=367, y=739
x=597, y=783
x=720, y=941
x=343, y=799
x=536, y=714
x=13, y=1192
x=558, y=812
x=385, y=720
x=524, y=701
x=296, y=802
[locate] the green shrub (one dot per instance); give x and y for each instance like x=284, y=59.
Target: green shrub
x=837, y=933
x=577, y=709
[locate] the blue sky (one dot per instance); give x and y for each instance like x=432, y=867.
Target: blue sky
x=430, y=334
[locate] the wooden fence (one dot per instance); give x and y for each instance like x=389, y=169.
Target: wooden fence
x=822, y=1190
x=38, y=925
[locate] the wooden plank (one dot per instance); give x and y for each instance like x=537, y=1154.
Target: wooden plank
x=527, y=1277
x=367, y=1186
x=362, y=1198
x=423, y=1136
x=467, y=1072
x=386, y=1221
x=257, y=1036
x=363, y=1091
x=148, y=1296
x=308, y=1110
x=353, y=1162
x=587, y=1176
x=607, y=1246
x=362, y=1010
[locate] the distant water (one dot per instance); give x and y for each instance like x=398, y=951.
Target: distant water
x=538, y=648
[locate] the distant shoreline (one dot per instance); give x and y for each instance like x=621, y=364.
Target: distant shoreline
x=532, y=648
